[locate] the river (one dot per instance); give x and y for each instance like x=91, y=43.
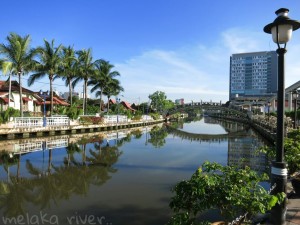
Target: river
x=114, y=178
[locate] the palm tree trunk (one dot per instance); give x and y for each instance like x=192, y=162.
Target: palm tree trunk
x=18, y=168
x=9, y=90
x=51, y=94
x=20, y=92
x=70, y=92
x=50, y=161
x=85, y=95
x=107, y=104
x=100, y=101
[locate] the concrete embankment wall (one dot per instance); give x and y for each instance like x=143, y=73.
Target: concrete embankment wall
x=11, y=133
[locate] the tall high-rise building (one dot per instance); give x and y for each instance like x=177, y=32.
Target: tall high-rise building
x=253, y=74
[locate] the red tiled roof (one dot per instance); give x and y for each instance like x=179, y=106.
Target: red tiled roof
x=113, y=101
x=6, y=99
x=4, y=86
x=59, y=101
x=25, y=99
x=127, y=105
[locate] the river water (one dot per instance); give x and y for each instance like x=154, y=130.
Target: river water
x=114, y=178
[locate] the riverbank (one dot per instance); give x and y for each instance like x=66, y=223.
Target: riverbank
x=9, y=132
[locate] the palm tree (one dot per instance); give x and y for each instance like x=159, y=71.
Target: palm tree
x=86, y=70
x=68, y=68
x=113, y=88
x=102, y=78
x=18, y=52
x=6, y=67
x=49, y=64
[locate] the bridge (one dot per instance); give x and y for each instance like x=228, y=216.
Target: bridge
x=264, y=124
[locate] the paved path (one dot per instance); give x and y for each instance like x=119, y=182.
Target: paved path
x=293, y=210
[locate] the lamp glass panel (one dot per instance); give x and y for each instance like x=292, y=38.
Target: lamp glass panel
x=284, y=33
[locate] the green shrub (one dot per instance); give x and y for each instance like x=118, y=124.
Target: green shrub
x=155, y=116
x=291, y=151
x=91, y=120
x=235, y=192
x=10, y=112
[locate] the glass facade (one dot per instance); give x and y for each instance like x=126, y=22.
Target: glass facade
x=253, y=74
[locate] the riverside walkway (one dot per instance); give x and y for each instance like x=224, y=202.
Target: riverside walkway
x=34, y=128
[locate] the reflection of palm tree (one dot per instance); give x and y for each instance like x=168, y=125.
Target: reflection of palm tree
x=50, y=161
x=12, y=201
x=71, y=149
x=8, y=160
x=64, y=181
x=105, y=157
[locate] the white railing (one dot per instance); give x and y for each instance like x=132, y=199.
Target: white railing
x=113, y=119
x=58, y=121
x=28, y=147
x=28, y=122
x=147, y=118
x=116, y=135
x=58, y=143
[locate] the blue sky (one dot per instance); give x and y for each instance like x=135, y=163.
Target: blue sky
x=180, y=47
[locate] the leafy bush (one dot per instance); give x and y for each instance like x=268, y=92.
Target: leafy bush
x=10, y=112
x=91, y=120
x=97, y=120
x=234, y=192
x=291, y=151
x=73, y=112
x=155, y=116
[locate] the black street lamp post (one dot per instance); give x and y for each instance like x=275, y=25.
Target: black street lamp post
x=44, y=95
x=295, y=96
x=281, y=30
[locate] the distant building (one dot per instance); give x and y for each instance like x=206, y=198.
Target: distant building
x=179, y=101
x=253, y=74
x=82, y=94
x=67, y=94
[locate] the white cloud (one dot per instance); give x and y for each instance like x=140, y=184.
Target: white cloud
x=196, y=72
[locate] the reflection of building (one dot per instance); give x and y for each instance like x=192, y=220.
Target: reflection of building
x=253, y=74
x=242, y=152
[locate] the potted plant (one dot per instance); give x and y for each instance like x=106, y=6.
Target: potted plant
x=236, y=193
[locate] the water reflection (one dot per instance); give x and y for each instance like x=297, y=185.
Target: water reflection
x=119, y=175
x=242, y=141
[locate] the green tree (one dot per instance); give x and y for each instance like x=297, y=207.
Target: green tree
x=18, y=52
x=7, y=68
x=86, y=70
x=113, y=88
x=49, y=64
x=159, y=102
x=68, y=68
x=102, y=78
